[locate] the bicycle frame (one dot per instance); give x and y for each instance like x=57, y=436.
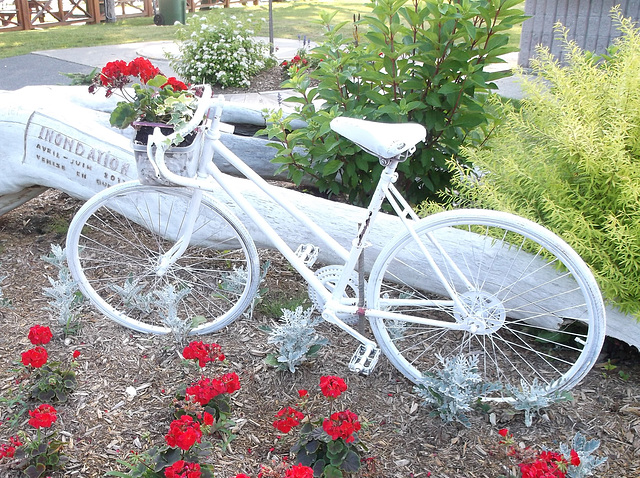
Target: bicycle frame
x=210, y=176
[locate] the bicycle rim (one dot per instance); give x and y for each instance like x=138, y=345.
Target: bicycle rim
x=529, y=307
x=117, y=238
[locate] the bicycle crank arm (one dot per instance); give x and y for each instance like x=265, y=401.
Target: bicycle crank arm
x=366, y=356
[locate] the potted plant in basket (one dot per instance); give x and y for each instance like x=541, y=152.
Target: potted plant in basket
x=150, y=100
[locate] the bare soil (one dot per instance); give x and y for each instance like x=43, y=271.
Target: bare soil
x=102, y=423
x=268, y=80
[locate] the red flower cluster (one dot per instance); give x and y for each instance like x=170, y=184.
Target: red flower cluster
x=116, y=74
x=183, y=433
x=332, y=386
x=203, y=353
x=35, y=357
x=296, y=61
x=183, y=469
x=549, y=464
x=206, y=388
x=10, y=449
x=176, y=84
x=299, y=471
x=342, y=425
x=207, y=418
x=43, y=416
x=39, y=335
x=142, y=68
x=288, y=417
x=508, y=437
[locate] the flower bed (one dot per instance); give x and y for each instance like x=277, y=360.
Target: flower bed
x=101, y=422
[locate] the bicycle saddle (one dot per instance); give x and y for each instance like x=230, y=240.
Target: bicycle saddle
x=385, y=140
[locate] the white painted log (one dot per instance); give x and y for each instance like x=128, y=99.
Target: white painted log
x=66, y=144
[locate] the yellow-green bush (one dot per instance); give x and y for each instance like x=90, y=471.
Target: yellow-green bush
x=569, y=158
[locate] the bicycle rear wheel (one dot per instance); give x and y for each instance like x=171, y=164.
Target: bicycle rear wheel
x=115, y=243
x=509, y=291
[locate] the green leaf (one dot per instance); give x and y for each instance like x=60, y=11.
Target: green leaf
x=331, y=167
x=336, y=447
x=35, y=471
x=331, y=471
x=351, y=463
x=318, y=468
x=312, y=446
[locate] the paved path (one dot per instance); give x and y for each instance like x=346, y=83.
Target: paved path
x=47, y=67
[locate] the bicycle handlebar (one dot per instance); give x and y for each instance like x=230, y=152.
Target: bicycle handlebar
x=162, y=142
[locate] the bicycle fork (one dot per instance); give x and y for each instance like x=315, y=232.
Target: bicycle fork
x=168, y=258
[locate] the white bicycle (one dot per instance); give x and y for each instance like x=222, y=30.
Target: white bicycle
x=457, y=282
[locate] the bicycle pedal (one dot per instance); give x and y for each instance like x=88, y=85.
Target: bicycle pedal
x=308, y=253
x=363, y=360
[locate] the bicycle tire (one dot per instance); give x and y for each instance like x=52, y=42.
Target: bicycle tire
x=116, y=238
x=531, y=310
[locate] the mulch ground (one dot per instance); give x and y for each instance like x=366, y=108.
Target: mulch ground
x=102, y=423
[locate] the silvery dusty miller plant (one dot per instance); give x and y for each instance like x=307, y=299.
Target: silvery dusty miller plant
x=585, y=449
x=236, y=280
x=219, y=50
x=295, y=337
x=168, y=299
x=4, y=302
x=64, y=293
x=455, y=388
x=531, y=398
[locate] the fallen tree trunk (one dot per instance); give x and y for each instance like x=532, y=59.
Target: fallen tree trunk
x=67, y=144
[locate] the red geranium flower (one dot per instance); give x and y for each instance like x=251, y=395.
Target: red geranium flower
x=332, y=386
x=39, y=335
x=242, y=475
x=208, y=419
x=503, y=432
x=142, y=68
x=114, y=74
x=231, y=382
x=575, y=459
x=203, y=353
x=43, y=416
x=299, y=471
x=342, y=425
x=183, y=469
x=36, y=357
x=183, y=433
x=176, y=84
x=549, y=464
x=9, y=450
x=289, y=417
x=206, y=388
x=303, y=393
x=76, y=354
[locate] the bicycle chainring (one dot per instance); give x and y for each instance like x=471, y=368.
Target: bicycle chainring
x=329, y=276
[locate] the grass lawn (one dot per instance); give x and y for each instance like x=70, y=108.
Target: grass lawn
x=291, y=19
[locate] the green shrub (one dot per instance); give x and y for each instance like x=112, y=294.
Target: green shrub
x=214, y=50
x=568, y=159
x=422, y=61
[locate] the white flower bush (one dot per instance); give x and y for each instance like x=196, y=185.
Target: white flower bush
x=220, y=51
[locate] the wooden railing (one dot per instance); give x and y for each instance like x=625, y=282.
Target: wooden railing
x=30, y=14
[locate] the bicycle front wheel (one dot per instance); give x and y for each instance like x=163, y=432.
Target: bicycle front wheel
x=118, y=238
x=491, y=284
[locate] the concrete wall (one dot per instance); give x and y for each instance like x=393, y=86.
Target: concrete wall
x=589, y=23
